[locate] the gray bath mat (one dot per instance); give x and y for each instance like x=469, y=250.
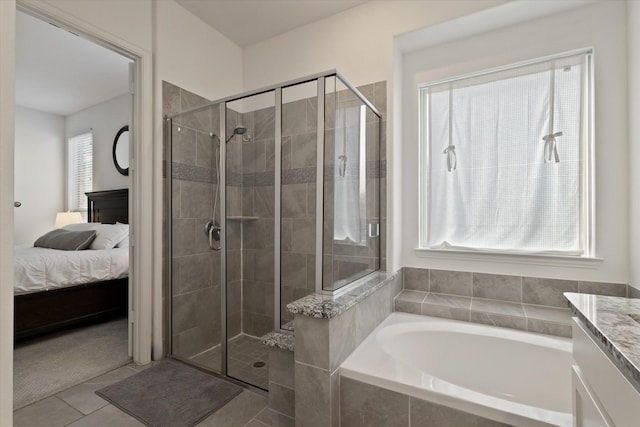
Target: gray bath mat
x=170, y=394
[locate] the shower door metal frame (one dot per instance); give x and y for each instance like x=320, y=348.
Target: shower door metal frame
x=320, y=79
x=222, y=189
x=277, y=211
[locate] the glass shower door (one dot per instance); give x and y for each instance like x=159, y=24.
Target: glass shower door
x=195, y=266
x=249, y=225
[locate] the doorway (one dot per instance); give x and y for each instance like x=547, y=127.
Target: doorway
x=71, y=307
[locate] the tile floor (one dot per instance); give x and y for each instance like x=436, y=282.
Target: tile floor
x=244, y=351
x=79, y=406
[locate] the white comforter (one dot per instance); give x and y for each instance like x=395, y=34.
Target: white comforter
x=38, y=269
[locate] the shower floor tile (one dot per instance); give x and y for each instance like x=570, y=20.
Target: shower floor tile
x=245, y=356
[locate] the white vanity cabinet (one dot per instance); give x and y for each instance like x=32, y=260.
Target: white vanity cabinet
x=602, y=396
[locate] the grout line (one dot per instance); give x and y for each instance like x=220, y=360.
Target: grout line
x=312, y=366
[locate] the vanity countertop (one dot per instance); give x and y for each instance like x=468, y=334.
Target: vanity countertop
x=615, y=322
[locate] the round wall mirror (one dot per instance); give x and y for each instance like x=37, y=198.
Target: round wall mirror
x=121, y=150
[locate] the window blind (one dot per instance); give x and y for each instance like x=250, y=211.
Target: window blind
x=80, y=171
x=503, y=163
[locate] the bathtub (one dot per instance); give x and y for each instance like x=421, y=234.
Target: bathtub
x=518, y=378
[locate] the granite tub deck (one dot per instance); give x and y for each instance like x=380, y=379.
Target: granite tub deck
x=613, y=322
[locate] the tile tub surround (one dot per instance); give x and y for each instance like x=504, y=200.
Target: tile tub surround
x=518, y=289
x=364, y=404
x=281, y=387
x=526, y=317
x=327, y=330
x=526, y=303
x=617, y=333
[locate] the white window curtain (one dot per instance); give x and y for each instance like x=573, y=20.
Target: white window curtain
x=503, y=159
x=80, y=171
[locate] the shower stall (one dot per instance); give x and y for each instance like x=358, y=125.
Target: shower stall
x=275, y=194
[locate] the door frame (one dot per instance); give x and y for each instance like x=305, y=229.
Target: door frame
x=141, y=192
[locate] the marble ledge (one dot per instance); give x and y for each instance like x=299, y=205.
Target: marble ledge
x=322, y=306
x=281, y=340
x=613, y=321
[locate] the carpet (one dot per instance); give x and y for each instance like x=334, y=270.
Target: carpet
x=45, y=366
x=170, y=394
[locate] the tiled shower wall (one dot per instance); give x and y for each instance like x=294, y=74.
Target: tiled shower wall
x=254, y=183
x=195, y=268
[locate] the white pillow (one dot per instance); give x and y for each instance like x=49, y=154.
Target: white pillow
x=107, y=235
x=124, y=243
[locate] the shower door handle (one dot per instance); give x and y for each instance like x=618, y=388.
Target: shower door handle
x=212, y=229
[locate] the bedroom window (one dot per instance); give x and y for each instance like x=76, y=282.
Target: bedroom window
x=505, y=159
x=80, y=172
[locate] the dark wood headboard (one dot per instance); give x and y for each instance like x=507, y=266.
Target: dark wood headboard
x=108, y=207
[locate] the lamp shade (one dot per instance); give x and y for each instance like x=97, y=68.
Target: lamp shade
x=66, y=218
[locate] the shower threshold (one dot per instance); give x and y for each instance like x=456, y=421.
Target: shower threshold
x=245, y=362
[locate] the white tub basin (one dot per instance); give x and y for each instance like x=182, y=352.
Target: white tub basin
x=515, y=377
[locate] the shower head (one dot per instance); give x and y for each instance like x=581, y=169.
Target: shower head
x=240, y=130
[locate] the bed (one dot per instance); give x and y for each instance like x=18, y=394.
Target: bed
x=54, y=301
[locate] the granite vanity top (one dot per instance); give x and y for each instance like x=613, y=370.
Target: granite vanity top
x=327, y=306
x=615, y=321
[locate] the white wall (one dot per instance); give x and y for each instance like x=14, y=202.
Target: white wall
x=39, y=173
x=633, y=16
x=105, y=119
x=601, y=26
x=7, y=101
x=360, y=44
x=192, y=55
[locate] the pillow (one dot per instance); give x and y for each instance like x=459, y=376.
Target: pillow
x=107, y=235
x=83, y=226
x=66, y=240
x=124, y=243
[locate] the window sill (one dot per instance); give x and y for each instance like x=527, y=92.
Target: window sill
x=532, y=259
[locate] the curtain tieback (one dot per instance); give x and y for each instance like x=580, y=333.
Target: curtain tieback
x=452, y=159
x=550, y=147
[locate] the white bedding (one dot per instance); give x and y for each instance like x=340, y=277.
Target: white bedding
x=39, y=269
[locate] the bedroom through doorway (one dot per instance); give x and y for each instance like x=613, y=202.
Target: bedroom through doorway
x=71, y=229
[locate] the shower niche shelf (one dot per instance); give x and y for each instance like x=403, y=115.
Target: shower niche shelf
x=242, y=218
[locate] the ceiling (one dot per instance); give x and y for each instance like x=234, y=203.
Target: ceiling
x=60, y=73
x=246, y=22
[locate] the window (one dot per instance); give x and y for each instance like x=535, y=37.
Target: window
x=505, y=159
x=80, y=172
